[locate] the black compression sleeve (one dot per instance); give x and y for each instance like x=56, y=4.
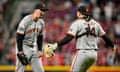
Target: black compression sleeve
x=108, y=41
x=19, y=39
x=65, y=40
x=39, y=42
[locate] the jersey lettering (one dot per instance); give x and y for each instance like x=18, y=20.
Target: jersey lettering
x=33, y=30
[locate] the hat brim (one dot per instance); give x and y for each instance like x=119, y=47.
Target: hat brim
x=44, y=9
x=84, y=13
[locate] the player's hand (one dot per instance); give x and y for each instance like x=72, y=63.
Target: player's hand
x=40, y=53
x=55, y=46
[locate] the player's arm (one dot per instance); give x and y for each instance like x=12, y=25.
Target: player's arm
x=40, y=39
x=108, y=41
x=21, y=33
x=65, y=40
x=70, y=35
x=102, y=34
x=40, y=36
x=21, y=56
x=19, y=39
x=39, y=42
x=40, y=45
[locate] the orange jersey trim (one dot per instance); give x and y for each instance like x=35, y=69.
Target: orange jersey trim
x=102, y=34
x=19, y=64
x=19, y=33
x=74, y=61
x=71, y=34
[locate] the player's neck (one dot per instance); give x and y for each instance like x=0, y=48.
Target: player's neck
x=34, y=17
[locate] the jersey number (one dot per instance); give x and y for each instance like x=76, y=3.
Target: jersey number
x=90, y=32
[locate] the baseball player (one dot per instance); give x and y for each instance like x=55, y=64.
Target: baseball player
x=29, y=38
x=86, y=31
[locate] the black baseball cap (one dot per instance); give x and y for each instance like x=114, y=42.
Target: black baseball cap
x=83, y=10
x=41, y=6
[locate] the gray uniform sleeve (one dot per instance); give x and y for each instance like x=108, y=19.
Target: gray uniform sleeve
x=73, y=29
x=42, y=27
x=100, y=30
x=21, y=26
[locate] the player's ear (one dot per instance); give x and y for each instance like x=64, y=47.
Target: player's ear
x=78, y=13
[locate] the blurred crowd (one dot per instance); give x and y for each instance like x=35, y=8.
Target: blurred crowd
x=59, y=18
x=3, y=28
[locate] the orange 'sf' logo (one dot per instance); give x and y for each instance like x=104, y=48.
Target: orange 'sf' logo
x=43, y=4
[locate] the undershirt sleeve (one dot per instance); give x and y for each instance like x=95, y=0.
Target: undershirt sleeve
x=108, y=41
x=19, y=39
x=65, y=40
x=39, y=42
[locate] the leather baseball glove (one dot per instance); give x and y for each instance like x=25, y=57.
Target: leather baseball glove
x=23, y=59
x=48, y=50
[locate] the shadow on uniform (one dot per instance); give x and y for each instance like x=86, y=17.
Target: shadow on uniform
x=86, y=65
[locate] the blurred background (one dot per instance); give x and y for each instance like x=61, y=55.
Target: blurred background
x=58, y=19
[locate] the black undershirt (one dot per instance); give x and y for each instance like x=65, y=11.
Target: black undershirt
x=108, y=41
x=65, y=40
x=68, y=38
x=39, y=42
x=19, y=39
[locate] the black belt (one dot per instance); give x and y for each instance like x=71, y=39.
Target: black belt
x=88, y=49
x=30, y=45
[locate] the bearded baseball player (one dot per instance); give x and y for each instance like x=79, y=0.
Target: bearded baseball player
x=86, y=31
x=29, y=37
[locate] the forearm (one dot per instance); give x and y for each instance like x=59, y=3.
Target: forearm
x=40, y=42
x=19, y=39
x=108, y=41
x=65, y=40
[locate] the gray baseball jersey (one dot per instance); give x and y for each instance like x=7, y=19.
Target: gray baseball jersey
x=31, y=30
x=86, y=41
x=86, y=44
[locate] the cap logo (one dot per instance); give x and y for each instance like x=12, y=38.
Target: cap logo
x=43, y=4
